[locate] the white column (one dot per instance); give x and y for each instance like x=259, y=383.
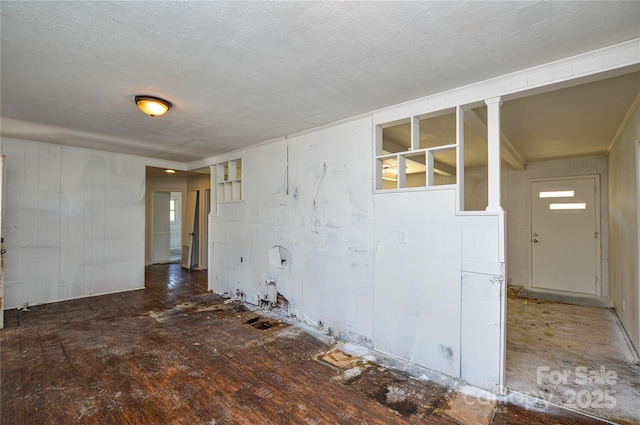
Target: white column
x=415, y=133
x=493, y=153
x=460, y=156
x=213, y=198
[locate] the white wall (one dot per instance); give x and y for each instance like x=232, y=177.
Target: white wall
x=74, y=223
x=437, y=293
x=624, y=217
x=329, y=277
x=414, y=305
x=517, y=204
x=417, y=282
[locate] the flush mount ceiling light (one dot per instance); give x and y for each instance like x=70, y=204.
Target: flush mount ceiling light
x=152, y=106
x=170, y=171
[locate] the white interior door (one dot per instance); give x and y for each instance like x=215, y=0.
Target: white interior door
x=195, y=235
x=175, y=221
x=204, y=239
x=161, y=246
x=189, y=223
x=565, y=235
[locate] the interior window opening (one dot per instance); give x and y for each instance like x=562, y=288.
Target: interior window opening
x=417, y=152
x=476, y=171
x=423, y=151
x=389, y=168
x=438, y=130
x=416, y=170
x=444, y=167
x=396, y=137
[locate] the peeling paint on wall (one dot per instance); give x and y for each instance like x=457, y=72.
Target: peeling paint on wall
x=316, y=245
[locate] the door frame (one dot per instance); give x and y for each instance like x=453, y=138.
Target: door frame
x=598, y=218
x=149, y=221
x=2, y=250
x=152, y=233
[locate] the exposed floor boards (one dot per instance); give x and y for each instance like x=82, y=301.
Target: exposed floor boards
x=561, y=338
x=174, y=354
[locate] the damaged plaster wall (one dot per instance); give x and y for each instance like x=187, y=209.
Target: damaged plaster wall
x=434, y=300
x=321, y=218
x=74, y=222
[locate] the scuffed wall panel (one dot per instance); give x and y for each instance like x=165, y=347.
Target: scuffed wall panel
x=482, y=305
x=75, y=222
x=31, y=221
x=417, y=278
x=480, y=330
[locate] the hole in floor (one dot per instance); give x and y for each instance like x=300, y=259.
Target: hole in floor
x=261, y=323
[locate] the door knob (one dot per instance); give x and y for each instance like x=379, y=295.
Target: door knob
x=535, y=241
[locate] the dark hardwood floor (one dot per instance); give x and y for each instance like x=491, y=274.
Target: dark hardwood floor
x=175, y=354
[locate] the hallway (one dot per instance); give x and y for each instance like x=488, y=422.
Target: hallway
x=175, y=354
x=574, y=356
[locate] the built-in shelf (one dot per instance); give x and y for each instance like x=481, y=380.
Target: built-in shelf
x=229, y=181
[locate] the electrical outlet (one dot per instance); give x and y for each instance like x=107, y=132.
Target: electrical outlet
x=63, y=282
x=403, y=236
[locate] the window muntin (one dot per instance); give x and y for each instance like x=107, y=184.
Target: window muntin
x=416, y=152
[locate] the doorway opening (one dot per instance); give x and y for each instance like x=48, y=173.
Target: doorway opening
x=196, y=224
x=177, y=209
x=565, y=343
x=166, y=237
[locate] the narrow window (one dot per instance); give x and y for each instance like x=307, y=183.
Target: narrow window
x=568, y=206
x=172, y=210
x=558, y=194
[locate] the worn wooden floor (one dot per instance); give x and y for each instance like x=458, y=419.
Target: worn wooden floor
x=573, y=356
x=174, y=354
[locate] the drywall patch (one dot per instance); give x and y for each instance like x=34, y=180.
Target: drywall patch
x=336, y=357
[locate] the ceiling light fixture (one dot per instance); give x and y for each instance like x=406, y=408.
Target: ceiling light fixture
x=152, y=106
x=170, y=171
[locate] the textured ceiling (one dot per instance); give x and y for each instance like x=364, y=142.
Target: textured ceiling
x=576, y=121
x=240, y=73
